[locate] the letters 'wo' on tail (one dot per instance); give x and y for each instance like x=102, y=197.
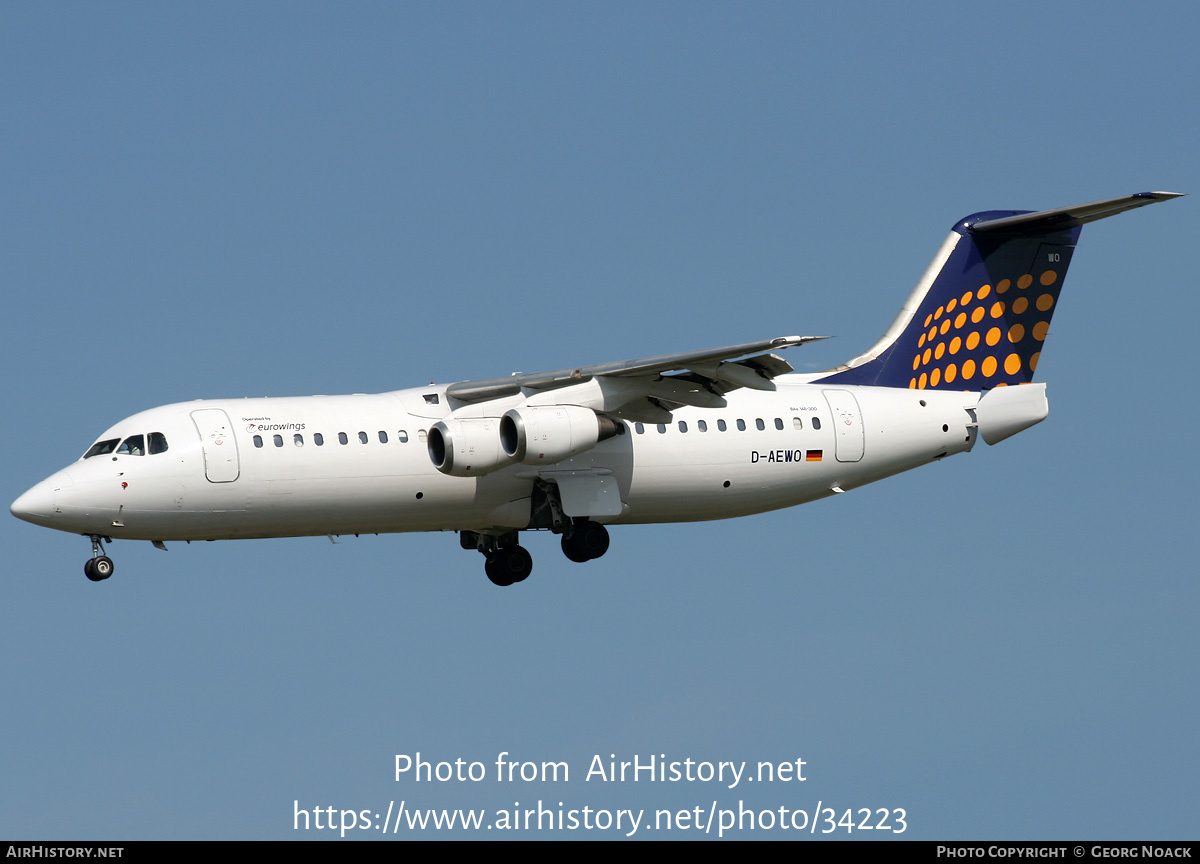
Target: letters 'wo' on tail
x=979, y=315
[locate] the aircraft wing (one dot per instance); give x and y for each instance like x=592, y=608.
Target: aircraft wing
x=702, y=377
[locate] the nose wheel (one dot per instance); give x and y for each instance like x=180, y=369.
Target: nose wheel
x=99, y=567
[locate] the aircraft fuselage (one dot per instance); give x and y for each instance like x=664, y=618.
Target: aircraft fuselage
x=265, y=475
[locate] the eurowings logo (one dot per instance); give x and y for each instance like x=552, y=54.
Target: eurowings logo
x=276, y=427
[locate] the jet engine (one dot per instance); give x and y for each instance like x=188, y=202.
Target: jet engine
x=544, y=435
x=466, y=448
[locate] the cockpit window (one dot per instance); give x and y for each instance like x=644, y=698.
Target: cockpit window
x=102, y=447
x=158, y=443
x=134, y=445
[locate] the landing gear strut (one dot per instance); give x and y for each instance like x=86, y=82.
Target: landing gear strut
x=99, y=567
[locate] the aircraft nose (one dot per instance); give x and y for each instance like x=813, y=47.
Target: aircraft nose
x=36, y=505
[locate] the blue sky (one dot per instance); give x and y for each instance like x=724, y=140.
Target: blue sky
x=213, y=201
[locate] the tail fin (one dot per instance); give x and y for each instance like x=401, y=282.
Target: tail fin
x=979, y=315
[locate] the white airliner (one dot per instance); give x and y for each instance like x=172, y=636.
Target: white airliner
x=682, y=437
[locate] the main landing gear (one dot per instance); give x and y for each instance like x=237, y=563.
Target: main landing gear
x=508, y=565
x=586, y=540
x=99, y=567
x=507, y=562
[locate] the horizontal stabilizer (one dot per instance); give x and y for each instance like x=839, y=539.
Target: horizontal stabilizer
x=1046, y=221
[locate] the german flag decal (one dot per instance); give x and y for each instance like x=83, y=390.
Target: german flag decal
x=814, y=455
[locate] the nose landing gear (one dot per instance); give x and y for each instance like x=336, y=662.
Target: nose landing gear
x=99, y=567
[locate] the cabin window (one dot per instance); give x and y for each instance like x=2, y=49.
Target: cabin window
x=298, y=440
x=318, y=439
x=342, y=439
x=158, y=443
x=382, y=437
x=278, y=439
x=662, y=428
x=721, y=427
x=101, y=448
x=422, y=436
x=403, y=436
x=134, y=445
x=639, y=428
x=362, y=437
x=759, y=425
x=682, y=426
x=778, y=423
x=816, y=421
x=701, y=425
x=797, y=423
x=257, y=440
x=741, y=425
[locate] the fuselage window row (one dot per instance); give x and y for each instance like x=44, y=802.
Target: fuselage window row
x=702, y=425
x=135, y=445
x=158, y=443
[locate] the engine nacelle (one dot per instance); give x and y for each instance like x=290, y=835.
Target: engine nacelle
x=466, y=448
x=544, y=435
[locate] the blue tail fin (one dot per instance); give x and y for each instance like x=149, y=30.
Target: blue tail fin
x=979, y=315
